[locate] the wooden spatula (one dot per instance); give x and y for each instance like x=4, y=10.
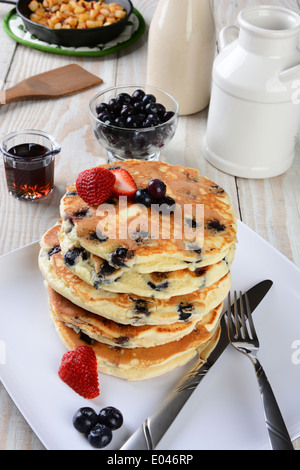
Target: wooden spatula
x=58, y=82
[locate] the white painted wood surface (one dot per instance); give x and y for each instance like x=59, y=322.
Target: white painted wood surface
x=270, y=207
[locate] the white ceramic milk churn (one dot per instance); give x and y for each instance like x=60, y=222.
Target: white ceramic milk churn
x=254, y=115
x=181, y=51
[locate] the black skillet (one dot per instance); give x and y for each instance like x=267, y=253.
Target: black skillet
x=72, y=37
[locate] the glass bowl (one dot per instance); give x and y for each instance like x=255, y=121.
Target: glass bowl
x=133, y=122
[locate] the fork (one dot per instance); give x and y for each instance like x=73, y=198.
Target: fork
x=243, y=337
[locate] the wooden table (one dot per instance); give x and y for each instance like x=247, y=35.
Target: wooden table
x=270, y=207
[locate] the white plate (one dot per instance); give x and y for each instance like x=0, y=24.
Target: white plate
x=224, y=412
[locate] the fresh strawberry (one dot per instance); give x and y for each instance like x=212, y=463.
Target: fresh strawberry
x=78, y=369
x=95, y=185
x=124, y=184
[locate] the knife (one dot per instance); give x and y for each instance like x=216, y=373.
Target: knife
x=149, y=434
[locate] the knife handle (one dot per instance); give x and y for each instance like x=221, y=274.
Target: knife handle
x=155, y=426
x=278, y=435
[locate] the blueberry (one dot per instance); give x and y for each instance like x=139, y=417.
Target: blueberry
x=100, y=436
x=53, y=251
x=216, y=225
x=127, y=110
x=120, y=256
x=148, y=98
x=98, y=236
x=138, y=107
x=123, y=98
x=167, y=116
x=84, y=419
x=101, y=107
x=200, y=271
x=84, y=337
x=105, y=116
x=185, y=311
x=155, y=118
x=70, y=257
x=111, y=417
x=151, y=122
x=114, y=107
x=157, y=188
x=159, y=287
x=138, y=95
x=151, y=108
x=191, y=223
x=120, y=122
x=133, y=122
x=161, y=109
x=142, y=117
x=141, y=306
x=166, y=205
x=106, y=270
x=142, y=196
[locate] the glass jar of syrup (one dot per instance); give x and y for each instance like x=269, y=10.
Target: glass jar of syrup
x=29, y=157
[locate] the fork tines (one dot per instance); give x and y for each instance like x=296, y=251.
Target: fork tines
x=237, y=320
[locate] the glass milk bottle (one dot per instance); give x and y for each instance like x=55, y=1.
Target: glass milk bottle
x=181, y=51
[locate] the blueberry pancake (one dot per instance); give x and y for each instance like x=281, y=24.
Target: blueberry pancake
x=121, y=258
x=125, y=308
x=162, y=244
x=161, y=285
x=143, y=363
x=93, y=327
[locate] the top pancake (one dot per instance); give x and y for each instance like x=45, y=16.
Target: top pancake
x=170, y=242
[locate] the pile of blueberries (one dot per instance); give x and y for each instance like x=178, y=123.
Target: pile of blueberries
x=139, y=112
x=98, y=427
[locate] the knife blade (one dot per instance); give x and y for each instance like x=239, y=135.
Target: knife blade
x=149, y=434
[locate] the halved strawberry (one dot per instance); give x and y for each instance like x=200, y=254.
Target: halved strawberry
x=78, y=369
x=124, y=184
x=95, y=185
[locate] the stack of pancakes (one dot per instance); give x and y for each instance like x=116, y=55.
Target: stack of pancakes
x=151, y=300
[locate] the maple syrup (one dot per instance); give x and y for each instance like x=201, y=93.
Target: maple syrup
x=31, y=174
x=29, y=158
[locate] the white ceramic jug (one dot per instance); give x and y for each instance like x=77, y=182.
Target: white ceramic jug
x=254, y=115
x=181, y=51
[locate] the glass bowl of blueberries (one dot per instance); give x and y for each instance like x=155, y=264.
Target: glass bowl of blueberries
x=134, y=122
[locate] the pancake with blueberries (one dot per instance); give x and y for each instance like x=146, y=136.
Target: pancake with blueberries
x=164, y=236
x=125, y=308
x=161, y=285
x=142, y=363
x=93, y=327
